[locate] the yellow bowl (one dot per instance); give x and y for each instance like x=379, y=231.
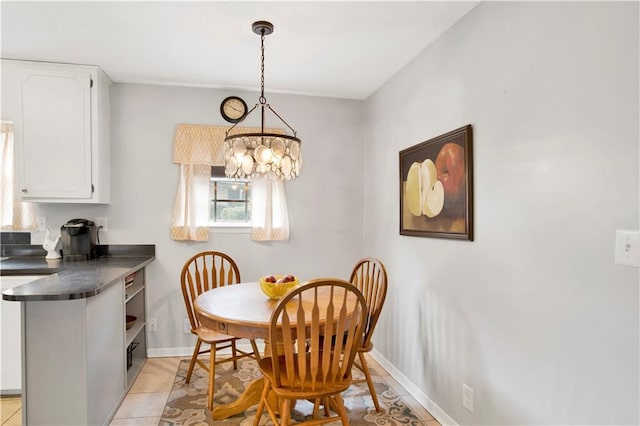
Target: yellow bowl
x=277, y=290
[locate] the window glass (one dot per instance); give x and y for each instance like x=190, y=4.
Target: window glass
x=230, y=200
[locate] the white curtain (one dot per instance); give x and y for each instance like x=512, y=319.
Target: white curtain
x=196, y=149
x=14, y=214
x=269, y=216
x=191, y=207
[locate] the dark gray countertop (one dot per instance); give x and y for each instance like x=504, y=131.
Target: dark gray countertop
x=72, y=279
x=29, y=266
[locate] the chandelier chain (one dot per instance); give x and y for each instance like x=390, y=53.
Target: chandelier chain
x=263, y=100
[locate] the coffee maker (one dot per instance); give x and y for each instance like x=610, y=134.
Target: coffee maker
x=79, y=239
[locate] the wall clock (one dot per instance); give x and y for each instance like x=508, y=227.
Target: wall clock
x=233, y=109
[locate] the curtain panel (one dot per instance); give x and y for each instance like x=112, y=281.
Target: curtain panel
x=270, y=219
x=196, y=149
x=14, y=213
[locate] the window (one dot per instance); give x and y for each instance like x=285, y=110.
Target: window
x=230, y=200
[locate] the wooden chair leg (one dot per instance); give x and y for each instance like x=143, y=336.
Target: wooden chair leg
x=367, y=374
x=212, y=376
x=316, y=408
x=196, y=350
x=263, y=401
x=234, y=354
x=270, y=408
x=327, y=406
x=256, y=352
x=339, y=403
x=285, y=412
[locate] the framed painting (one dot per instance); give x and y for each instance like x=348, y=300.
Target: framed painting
x=436, y=187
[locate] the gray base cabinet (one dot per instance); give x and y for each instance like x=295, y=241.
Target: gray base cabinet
x=76, y=363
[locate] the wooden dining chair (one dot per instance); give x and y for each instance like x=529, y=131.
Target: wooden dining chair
x=370, y=277
x=202, y=272
x=303, y=364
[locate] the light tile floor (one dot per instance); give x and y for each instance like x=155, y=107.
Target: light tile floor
x=146, y=399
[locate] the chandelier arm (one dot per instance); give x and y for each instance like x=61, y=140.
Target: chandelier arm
x=282, y=119
x=231, y=128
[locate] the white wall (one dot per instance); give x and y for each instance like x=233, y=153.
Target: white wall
x=325, y=203
x=533, y=314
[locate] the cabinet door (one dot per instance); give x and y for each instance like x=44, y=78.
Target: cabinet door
x=54, y=150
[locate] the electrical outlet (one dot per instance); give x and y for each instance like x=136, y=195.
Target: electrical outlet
x=153, y=325
x=467, y=397
x=102, y=224
x=41, y=221
x=186, y=326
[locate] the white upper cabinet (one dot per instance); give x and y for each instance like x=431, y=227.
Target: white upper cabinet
x=61, y=130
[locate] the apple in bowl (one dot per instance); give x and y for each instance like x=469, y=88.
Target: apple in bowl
x=275, y=286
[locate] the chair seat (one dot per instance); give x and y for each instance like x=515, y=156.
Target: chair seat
x=266, y=366
x=209, y=336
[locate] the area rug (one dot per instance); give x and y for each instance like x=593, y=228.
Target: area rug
x=187, y=403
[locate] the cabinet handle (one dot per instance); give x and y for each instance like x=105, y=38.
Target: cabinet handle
x=24, y=190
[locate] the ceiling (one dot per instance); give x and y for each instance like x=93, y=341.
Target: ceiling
x=333, y=49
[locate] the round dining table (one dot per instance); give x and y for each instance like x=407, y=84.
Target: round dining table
x=240, y=310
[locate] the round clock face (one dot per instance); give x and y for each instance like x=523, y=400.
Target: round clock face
x=233, y=109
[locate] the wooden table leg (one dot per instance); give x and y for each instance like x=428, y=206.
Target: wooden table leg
x=251, y=396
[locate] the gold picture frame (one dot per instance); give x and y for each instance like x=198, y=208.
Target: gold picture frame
x=436, y=187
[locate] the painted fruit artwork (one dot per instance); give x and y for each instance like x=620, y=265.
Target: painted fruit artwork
x=436, y=187
x=433, y=185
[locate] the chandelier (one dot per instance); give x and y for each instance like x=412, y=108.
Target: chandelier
x=276, y=156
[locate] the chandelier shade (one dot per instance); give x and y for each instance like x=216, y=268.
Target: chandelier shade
x=251, y=154
x=264, y=154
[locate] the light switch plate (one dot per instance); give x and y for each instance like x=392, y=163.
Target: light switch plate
x=627, y=248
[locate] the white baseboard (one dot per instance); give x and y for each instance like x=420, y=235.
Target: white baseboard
x=188, y=351
x=169, y=352
x=438, y=413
